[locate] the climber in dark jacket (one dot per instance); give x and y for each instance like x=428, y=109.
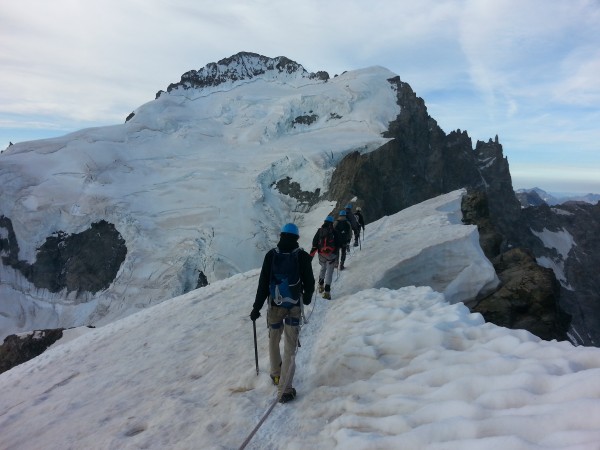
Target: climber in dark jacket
x=280, y=319
x=360, y=218
x=353, y=223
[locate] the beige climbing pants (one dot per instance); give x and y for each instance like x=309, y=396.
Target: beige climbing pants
x=286, y=322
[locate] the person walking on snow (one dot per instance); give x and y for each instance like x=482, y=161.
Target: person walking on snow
x=327, y=243
x=353, y=223
x=286, y=279
x=360, y=219
x=342, y=226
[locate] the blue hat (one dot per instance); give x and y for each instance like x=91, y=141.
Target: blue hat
x=343, y=212
x=349, y=206
x=328, y=219
x=291, y=229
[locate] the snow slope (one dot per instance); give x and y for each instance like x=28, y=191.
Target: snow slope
x=188, y=182
x=383, y=368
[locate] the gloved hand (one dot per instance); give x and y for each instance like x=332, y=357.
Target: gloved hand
x=313, y=251
x=255, y=314
x=307, y=301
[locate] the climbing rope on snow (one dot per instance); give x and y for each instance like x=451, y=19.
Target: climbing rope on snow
x=274, y=402
x=256, y=428
x=314, y=303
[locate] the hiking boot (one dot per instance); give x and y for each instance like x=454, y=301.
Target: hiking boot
x=342, y=267
x=356, y=243
x=287, y=396
x=327, y=295
x=321, y=288
x=275, y=379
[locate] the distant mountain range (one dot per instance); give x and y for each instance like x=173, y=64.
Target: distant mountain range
x=537, y=196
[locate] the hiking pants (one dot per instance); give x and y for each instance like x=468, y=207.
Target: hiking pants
x=356, y=234
x=343, y=254
x=287, y=322
x=328, y=263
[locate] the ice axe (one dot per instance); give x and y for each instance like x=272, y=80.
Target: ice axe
x=255, y=345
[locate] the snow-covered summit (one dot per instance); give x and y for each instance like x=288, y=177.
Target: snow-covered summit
x=189, y=182
x=243, y=67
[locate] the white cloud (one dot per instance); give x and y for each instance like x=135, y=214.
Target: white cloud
x=582, y=84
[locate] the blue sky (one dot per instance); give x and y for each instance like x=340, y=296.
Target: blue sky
x=526, y=71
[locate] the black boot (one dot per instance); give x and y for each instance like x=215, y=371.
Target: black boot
x=288, y=396
x=321, y=288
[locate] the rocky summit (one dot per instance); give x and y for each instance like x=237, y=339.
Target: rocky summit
x=243, y=66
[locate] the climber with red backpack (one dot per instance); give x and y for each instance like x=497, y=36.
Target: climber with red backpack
x=327, y=242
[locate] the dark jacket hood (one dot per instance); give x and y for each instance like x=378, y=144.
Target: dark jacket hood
x=287, y=242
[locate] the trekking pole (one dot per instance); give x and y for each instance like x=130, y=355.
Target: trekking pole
x=255, y=345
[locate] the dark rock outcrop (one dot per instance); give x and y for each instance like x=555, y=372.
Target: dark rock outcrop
x=81, y=262
x=18, y=349
x=202, y=280
x=527, y=298
x=305, y=199
x=528, y=295
x=574, y=227
x=475, y=210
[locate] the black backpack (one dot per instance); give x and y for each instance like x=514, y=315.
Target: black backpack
x=343, y=228
x=285, y=288
x=326, y=243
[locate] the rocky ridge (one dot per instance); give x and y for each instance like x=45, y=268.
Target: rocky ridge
x=422, y=162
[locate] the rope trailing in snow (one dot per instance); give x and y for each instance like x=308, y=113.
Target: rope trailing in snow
x=313, y=308
x=262, y=420
x=285, y=385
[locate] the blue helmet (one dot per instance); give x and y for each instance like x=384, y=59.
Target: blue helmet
x=328, y=219
x=343, y=212
x=349, y=206
x=291, y=229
